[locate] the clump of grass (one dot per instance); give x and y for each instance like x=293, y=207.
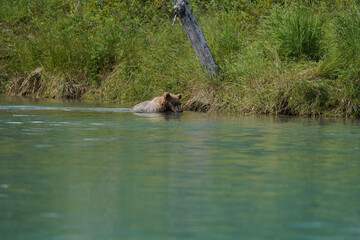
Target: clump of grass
x=343, y=45
x=295, y=31
x=342, y=62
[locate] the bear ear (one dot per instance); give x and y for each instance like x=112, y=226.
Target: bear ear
x=179, y=95
x=166, y=95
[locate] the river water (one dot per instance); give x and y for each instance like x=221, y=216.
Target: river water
x=86, y=171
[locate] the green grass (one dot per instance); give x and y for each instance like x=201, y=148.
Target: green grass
x=276, y=58
x=295, y=32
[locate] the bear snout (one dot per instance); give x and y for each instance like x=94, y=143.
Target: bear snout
x=177, y=108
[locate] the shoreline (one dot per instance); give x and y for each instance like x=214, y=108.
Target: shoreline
x=279, y=59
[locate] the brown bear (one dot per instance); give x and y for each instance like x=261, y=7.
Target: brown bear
x=167, y=103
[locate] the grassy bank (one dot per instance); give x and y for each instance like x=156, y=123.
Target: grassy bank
x=277, y=57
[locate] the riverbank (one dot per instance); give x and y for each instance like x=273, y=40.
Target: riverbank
x=277, y=59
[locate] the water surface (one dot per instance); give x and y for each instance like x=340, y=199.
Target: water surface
x=88, y=171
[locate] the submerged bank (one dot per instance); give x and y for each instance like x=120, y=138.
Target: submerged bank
x=277, y=57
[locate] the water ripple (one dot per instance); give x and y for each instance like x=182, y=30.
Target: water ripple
x=2, y=195
x=14, y=122
x=67, y=109
x=49, y=215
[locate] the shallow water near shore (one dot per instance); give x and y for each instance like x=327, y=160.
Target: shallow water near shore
x=71, y=170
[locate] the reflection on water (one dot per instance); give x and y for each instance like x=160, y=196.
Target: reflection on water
x=78, y=171
x=159, y=116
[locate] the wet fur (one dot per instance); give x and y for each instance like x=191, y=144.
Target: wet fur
x=167, y=103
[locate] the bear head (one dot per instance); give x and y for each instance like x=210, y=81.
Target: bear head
x=172, y=103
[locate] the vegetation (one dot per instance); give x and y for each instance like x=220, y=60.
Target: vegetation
x=297, y=58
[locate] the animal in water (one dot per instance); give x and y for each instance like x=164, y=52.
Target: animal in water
x=166, y=103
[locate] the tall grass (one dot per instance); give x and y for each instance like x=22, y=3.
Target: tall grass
x=295, y=31
x=161, y=60
x=283, y=58
x=342, y=61
x=276, y=72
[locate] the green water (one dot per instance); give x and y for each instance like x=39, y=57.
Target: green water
x=81, y=171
